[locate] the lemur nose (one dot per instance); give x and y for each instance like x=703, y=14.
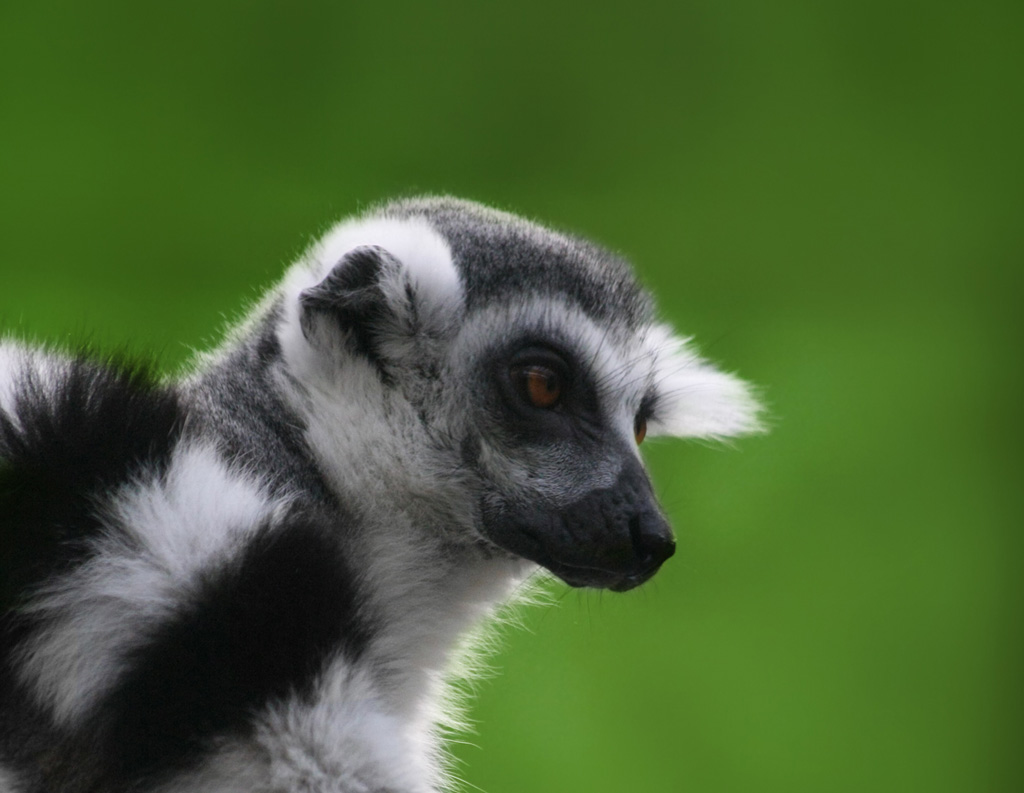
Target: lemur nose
x=653, y=542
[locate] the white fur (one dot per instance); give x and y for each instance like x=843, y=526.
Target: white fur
x=425, y=258
x=193, y=519
x=382, y=730
x=11, y=362
x=693, y=399
x=356, y=734
x=346, y=740
x=8, y=781
x=696, y=400
x=429, y=598
x=424, y=254
x=343, y=740
x=15, y=361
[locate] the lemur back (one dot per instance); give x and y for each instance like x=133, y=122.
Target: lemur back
x=253, y=577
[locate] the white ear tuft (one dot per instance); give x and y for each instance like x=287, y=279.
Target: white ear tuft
x=424, y=274
x=696, y=400
x=424, y=255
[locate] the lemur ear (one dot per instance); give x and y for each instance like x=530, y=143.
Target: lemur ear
x=351, y=298
x=693, y=398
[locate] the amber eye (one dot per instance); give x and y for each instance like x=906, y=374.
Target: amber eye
x=640, y=429
x=541, y=386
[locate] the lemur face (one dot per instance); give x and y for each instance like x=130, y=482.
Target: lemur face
x=525, y=365
x=555, y=443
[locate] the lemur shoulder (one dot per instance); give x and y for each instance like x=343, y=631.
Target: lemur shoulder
x=251, y=579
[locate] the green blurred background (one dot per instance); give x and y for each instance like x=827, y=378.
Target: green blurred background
x=829, y=196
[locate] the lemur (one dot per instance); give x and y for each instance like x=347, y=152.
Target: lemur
x=252, y=578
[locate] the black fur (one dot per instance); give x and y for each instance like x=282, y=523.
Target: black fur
x=69, y=439
x=257, y=630
x=66, y=442
x=351, y=296
x=578, y=418
x=614, y=538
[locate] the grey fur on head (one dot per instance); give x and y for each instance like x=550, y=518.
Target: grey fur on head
x=252, y=579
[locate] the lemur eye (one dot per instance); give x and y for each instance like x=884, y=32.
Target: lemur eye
x=640, y=429
x=539, y=385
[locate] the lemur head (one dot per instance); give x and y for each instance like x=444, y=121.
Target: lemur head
x=496, y=378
